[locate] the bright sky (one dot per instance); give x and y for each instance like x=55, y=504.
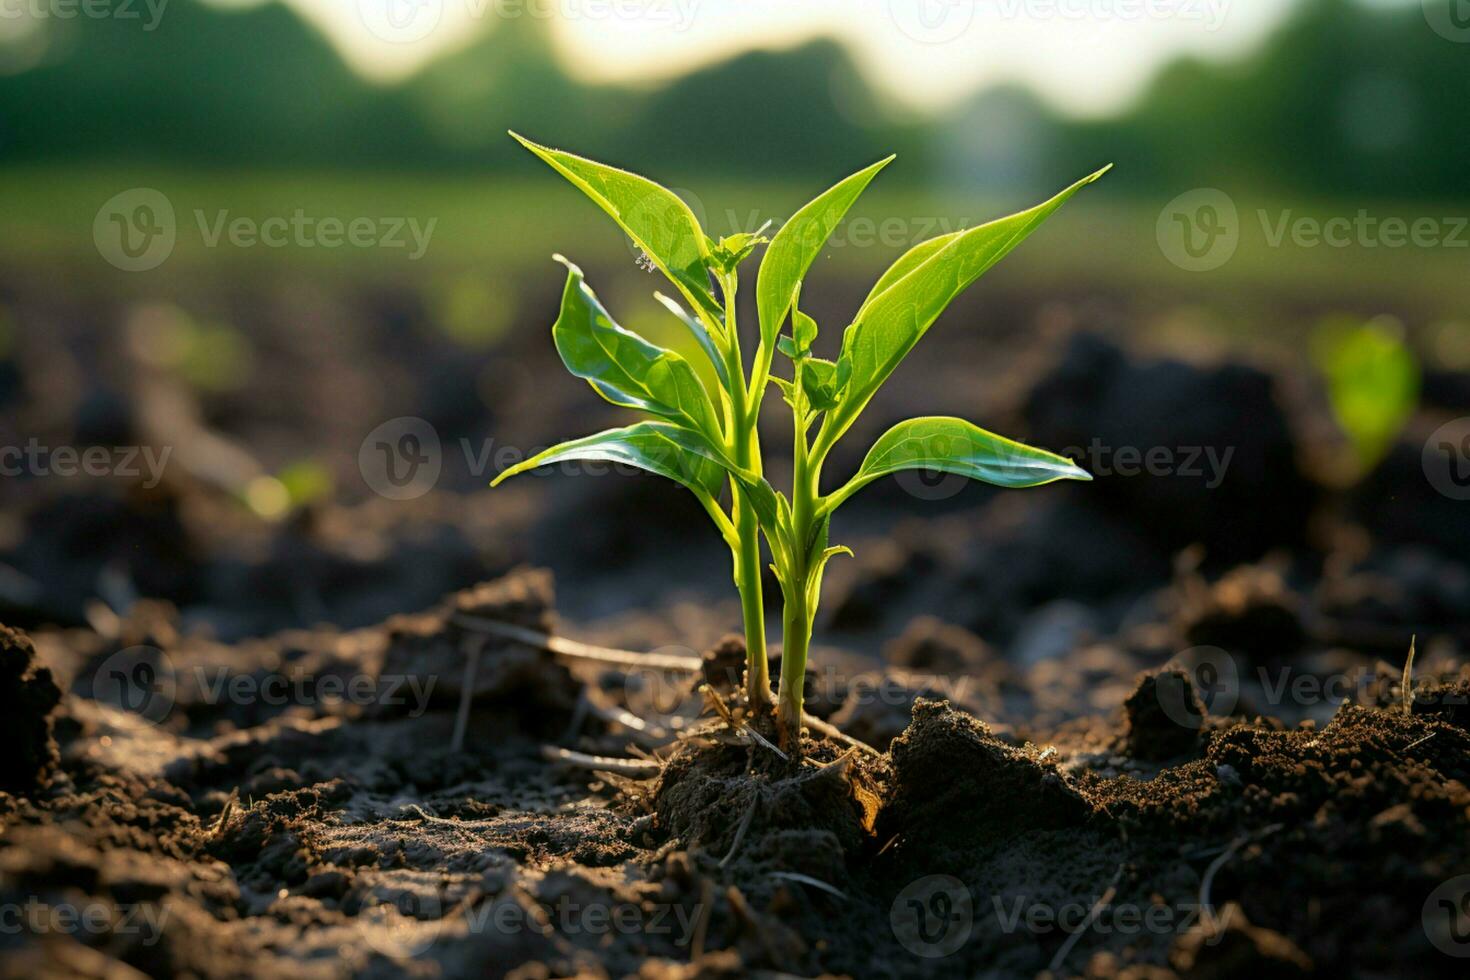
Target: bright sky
x=1085, y=55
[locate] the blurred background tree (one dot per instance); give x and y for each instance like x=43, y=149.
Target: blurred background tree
x=1372, y=93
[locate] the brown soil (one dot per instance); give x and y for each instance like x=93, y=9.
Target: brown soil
x=349, y=839
x=230, y=744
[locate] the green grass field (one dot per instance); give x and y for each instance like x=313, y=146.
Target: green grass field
x=507, y=229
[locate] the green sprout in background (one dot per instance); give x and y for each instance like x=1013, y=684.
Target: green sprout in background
x=1372, y=380
x=707, y=444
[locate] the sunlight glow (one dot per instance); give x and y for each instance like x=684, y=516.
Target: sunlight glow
x=1086, y=56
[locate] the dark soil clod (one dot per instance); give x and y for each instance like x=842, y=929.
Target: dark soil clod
x=955, y=785
x=28, y=696
x=1164, y=717
x=436, y=645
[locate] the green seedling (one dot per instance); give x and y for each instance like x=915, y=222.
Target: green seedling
x=708, y=440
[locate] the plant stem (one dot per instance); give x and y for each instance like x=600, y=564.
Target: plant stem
x=752, y=605
x=796, y=638
x=796, y=618
x=746, y=447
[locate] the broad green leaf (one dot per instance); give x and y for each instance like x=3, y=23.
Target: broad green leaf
x=797, y=245
x=895, y=319
x=657, y=447
x=952, y=445
x=906, y=263
x=701, y=335
x=653, y=216
x=623, y=367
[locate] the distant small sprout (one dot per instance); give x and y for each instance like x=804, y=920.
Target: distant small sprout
x=1372, y=381
x=708, y=441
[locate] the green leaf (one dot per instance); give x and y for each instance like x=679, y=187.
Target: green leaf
x=952, y=445
x=668, y=450
x=766, y=501
x=814, y=575
x=906, y=263
x=803, y=330
x=798, y=346
x=819, y=381
x=701, y=335
x=732, y=250
x=894, y=320
x=623, y=367
x=797, y=245
x=654, y=217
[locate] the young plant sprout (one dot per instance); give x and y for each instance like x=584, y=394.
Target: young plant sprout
x=707, y=443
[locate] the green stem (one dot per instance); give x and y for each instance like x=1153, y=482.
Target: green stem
x=796, y=637
x=752, y=604
x=796, y=619
x=746, y=450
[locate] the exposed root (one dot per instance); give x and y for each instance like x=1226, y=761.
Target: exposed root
x=809, y=880
x=832, y=731
x=740, y=830
x=1097, y=907
x=1207, y=907
x=637, y=768
x=577, y=650
x=614, y=715
x=740, y=728
x=471, y=646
